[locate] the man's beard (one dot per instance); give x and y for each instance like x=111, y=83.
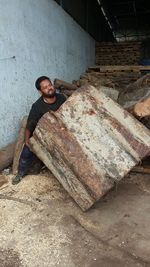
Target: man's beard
x=49, y=95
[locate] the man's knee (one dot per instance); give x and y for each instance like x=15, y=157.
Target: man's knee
x=26, y=152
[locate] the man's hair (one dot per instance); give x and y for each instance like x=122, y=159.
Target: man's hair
x=39, y=80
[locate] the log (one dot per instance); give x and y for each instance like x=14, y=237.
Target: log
x=3, y=180
x=89, y=143
x=140, y=169
x=142, y=108
x=135, y=92
x=110, y=92
x=19, y=145
x=65, y=85
x=6, y=155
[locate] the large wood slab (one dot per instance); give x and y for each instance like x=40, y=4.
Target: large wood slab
x=89, y=144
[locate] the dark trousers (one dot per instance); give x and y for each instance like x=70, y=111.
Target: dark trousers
x=26, y=159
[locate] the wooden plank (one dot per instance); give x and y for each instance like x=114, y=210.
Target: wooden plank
x=120, y=68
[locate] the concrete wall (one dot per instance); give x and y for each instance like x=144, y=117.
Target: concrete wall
x=36, y=38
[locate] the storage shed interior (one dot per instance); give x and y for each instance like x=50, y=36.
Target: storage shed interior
x=86, y=203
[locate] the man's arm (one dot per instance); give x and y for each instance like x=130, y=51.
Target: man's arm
x=27, y=136
x=31, y=123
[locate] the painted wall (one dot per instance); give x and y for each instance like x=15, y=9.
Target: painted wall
x=36, y=38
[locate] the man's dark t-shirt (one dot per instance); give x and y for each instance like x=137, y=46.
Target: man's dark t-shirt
x=39, y=108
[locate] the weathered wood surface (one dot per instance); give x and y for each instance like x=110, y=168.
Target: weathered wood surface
x=142, y=108
x=117, y=80
x=110, y=68
x=90, y=143
x=67, y=93
x=68, y=89
x=135, y=92
x=19, y=145
x=6, y=155
x=141, y=169
x=110, y=92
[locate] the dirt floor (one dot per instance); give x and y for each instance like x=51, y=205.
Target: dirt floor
x=41, y=226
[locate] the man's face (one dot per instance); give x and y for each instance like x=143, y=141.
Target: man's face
x=47, y=89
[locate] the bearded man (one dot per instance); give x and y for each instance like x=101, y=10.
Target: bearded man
x=49, y=100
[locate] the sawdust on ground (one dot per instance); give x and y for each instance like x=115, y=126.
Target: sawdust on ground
x=40, y=225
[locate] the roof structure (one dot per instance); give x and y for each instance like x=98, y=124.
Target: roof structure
x=110, y=20
x=129, y=19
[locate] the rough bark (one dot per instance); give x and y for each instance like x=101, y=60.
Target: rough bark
x=6, y=155
x=110, y=92
x=19, y=144
x=141, y=169
x=89, y=143
x=142, y=108
x=135, y=92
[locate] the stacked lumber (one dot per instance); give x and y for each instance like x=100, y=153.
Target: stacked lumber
x=122, y=53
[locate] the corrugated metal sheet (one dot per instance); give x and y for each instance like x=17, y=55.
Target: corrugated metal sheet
x=90, y=143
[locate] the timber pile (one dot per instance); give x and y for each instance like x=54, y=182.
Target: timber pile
x=122, y=53
x=117, y=77
x=67, y=88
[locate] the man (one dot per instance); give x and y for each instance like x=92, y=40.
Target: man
x=49, y=100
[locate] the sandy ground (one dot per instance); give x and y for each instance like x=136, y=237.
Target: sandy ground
x=41, y=226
